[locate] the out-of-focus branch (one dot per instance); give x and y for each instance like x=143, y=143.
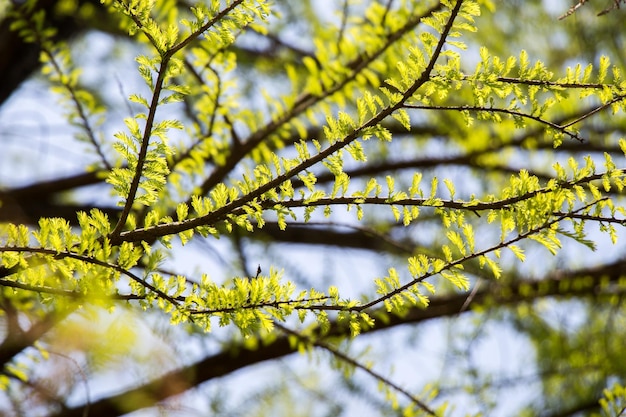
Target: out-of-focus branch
x=16, y=342
x=574, y=8
x=21, y=59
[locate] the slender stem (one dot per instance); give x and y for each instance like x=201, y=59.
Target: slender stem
x=158, y=87
x=352, y=362
x=474, y=255
x=510, y=112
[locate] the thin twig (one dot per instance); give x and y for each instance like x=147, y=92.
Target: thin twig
x=594, y=111
x=352, y=362
x=344, y=22
x=158, y=87
x=572, y=9
x=510, y=112
x=474, y=255
x=61, y=255
x=83, y=377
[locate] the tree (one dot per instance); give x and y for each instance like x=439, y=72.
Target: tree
x=273, y=178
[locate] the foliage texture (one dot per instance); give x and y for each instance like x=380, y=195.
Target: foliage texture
x=268, y=178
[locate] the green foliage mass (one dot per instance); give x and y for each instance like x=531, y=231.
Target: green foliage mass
x=207, y=154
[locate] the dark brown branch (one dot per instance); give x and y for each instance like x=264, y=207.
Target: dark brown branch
x=356, y=237
x=179, y=381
